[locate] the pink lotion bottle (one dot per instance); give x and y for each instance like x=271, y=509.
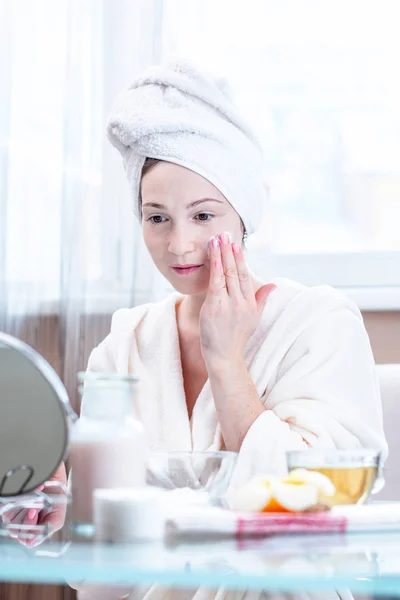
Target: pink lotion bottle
x=108, y=447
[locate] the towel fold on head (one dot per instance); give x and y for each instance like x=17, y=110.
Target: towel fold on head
x=178, y=114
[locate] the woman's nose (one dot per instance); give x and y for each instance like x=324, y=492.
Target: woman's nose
x=180, y=242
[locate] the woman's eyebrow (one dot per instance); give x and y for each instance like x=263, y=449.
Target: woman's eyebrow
x=191, y=205
x=196, y=202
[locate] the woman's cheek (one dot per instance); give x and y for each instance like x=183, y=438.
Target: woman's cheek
x=151, y=239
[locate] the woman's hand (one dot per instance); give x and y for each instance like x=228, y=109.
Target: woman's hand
x=231, y=311
x=32, y=516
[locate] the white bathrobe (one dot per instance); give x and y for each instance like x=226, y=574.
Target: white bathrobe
x=312, y=365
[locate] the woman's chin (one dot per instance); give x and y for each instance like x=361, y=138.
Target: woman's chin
x=183, y=285
x=190, y=290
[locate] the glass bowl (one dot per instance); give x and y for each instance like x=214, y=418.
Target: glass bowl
x=355, y=473
x=207, y=472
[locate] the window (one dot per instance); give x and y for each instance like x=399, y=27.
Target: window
x=319, y=81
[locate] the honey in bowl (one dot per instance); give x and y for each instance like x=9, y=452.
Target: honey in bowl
x=353, y=484
x=355, y=473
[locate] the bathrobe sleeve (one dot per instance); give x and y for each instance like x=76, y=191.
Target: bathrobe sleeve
x=325, y=395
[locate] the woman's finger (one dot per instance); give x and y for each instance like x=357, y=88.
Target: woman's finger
x=229, y=266
x=54, y=518
x=15, y=516
x=217, y=283
x=32, y=516
x=242, y=272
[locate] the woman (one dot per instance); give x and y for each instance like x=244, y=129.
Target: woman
x=226, y=362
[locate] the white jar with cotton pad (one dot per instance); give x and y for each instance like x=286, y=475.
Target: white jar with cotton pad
x=128, y=515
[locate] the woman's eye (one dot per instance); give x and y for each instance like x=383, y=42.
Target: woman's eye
x=204, y=217
x=156, y=219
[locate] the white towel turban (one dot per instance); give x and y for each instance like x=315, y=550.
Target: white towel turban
x=178, y=114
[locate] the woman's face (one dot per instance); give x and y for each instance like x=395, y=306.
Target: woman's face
x=181, y=212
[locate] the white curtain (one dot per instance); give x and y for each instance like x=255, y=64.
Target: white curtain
x=70, y=249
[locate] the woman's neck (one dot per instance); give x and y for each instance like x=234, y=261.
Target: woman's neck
x=189, y=310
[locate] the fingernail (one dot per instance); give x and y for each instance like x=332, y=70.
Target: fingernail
x=226, y=237
x=236, y=247
x=215, y=242
x=32, y=513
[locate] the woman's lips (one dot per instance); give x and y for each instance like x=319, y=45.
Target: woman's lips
x=186, y=270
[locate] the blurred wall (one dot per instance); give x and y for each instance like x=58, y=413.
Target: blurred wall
x=384, y=332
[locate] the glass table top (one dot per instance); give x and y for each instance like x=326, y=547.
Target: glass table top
x=361, y=562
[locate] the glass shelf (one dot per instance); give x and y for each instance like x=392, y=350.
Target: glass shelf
x=361, y=562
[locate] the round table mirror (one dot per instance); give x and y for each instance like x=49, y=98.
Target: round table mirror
x=35, y=416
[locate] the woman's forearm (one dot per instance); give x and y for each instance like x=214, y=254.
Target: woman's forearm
x=236, y=400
